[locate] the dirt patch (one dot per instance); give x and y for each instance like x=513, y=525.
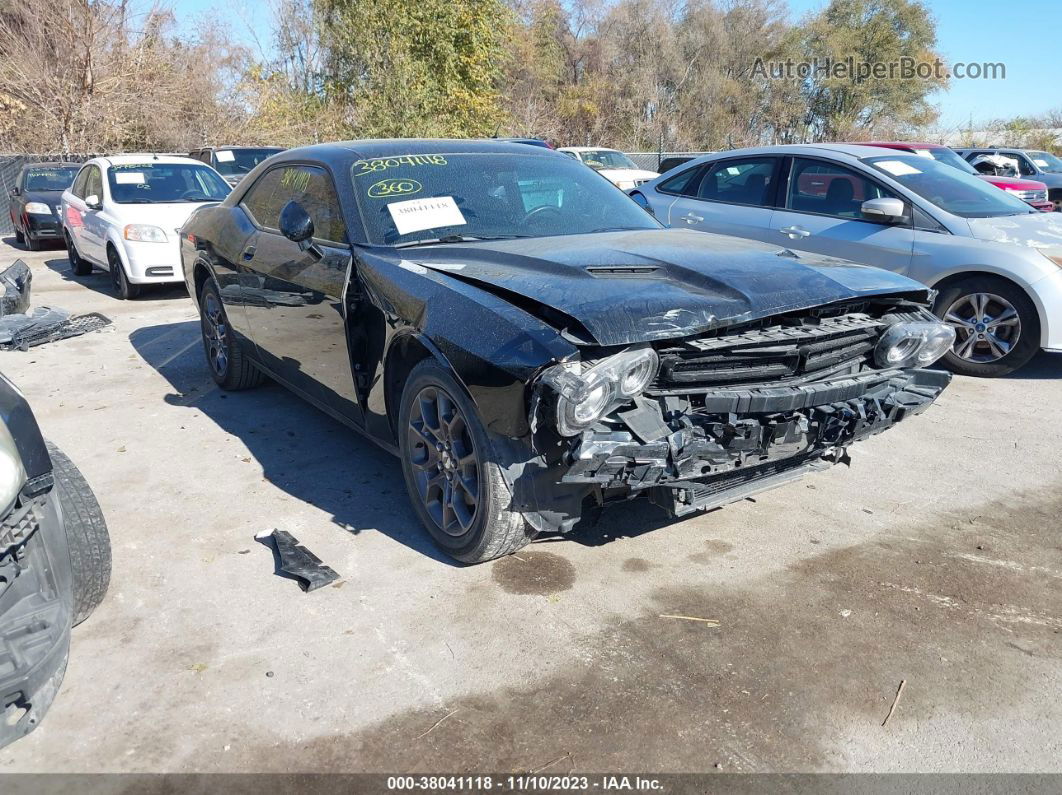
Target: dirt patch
x=636, y=565
x=713, y=548
x=532, y=572
x=801, y=667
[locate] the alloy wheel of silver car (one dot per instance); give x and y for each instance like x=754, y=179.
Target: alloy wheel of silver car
x=987, y=326
x=444, y=460
x=215, y=332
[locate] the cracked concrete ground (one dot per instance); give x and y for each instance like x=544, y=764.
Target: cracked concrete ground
x=936, y=560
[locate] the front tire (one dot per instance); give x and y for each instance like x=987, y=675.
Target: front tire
x=452, y=471
x=126, y=289
x=32, y=243
x=228, y=363
x=997, y=328
x=19, y=237
x=86, y=534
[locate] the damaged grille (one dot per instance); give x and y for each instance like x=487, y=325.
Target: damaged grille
x=772, y=354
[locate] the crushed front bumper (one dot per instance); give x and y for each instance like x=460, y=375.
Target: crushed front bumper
x=699, y=452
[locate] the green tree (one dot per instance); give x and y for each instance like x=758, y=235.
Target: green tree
x=414, y=67
x=870, y=32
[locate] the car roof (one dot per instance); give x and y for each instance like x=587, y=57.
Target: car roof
x=588, y=149
x=856, y=151
x=141, y=159
x=901, y=144
x=52, y=164
x=396, y=147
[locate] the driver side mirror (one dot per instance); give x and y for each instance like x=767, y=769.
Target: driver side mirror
x=16, y=191
x=297, y=225
x=887, y=210
x=93, y=202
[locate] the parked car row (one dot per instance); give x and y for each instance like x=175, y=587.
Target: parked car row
x=995, y=262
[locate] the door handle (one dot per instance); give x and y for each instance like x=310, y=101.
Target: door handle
x=692, y=218
x=248, y=253
x=795, y=232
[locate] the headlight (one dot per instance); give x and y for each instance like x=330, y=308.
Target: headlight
x=913, y=344
x=12, y=474
x=144, y=233
x=585, y=393
x=38, y=208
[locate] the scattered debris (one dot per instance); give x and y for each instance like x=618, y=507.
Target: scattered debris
x=436, y=725
x=46, y=324
x=709, y=621
x=197, y=667
x=895, y=701
x=296, y=562
x=845, y=613
x=269, y=674
x=552, y=762
x=16, y=280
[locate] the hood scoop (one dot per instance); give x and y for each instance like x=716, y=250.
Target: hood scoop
x=630, y=271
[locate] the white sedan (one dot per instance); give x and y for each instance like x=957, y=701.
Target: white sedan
x=612, y=164
x=124, y=214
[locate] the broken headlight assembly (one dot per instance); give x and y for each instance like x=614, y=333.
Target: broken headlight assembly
x=913, y=344
x=12, y=473
x=588, y=391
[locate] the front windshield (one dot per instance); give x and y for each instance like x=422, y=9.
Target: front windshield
x=235, y=162
x=960, y=194
x=153, y=183
x=414, y=198
x=56, y=178
x=947, y=156
x=606, y=158
x=1046, y=162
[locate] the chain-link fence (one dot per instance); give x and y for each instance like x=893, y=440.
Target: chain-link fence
x=10, y=166
x=651, y=160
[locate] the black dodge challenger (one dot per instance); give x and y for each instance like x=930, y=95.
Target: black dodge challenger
x=533, y=345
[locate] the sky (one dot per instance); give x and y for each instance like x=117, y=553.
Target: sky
x=1024, y=36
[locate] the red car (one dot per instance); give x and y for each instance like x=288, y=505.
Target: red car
x=1028, y=190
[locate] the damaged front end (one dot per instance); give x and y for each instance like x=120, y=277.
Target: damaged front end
x=700, y=422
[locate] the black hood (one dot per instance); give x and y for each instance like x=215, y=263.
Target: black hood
x=52, y=198
x=643, y=285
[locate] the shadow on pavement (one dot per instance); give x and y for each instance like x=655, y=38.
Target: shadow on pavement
x=100, y=281
x=301, y=450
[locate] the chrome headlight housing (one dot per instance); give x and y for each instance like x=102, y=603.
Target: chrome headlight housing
x=916, y=344
x=38, y=208
x=12, y=473
x=587, y=391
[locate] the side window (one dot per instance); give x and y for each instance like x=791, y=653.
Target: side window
x=682, y=184
x=94, y=183
x=739, y=181
x=830, y=189
x=1024, y=166
x=260, y=202
x=311, y=187
x=79, y=183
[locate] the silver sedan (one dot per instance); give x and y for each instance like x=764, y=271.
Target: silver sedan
x=996, y=262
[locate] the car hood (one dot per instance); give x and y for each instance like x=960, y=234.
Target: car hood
x=50, y=197
x=626, y=174
x=1035, y=230
x=1014, y=183
x=634, y=286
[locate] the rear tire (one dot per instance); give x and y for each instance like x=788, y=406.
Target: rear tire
x=1000, y=318
x=465, y=507
x=86, y=534
x=228, y=362
x=78, y=264
x=126, y=289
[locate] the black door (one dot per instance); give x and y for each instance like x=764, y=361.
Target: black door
x=295, y=300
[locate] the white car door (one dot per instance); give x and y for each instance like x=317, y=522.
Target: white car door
x=730, y=197
x=821, y=213
x=94, y=229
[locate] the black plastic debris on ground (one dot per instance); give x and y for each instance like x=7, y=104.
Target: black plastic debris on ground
x=22, y=329
x=294, y=561
x=16, y=280
x=46, y=324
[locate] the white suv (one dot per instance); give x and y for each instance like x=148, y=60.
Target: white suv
x=124, y=214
